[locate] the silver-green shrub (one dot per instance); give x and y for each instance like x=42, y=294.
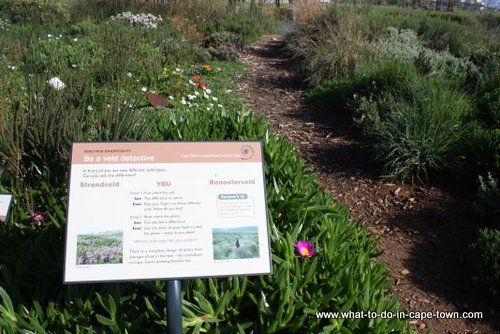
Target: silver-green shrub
x=405, y=46
x=442, y=63
x=402, y=45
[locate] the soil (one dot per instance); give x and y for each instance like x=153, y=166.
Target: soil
x=423, y=231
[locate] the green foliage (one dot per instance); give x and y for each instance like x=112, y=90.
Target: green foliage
x=416, y=136
x=121, y=56
x=329, y=47
x=416, y=122
x=487, y=201
x=223, y=39
x=403, y=46
x=484, y=262
x=405, y=82
x=99, y=10
x=459, y=34
x=482, y=138
x=443, y=63
x=248, y=22
x=55, y=54
x=51, y=12
x=223, y=45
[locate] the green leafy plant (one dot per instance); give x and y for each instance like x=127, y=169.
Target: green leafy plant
x=36, y=11
x=223, y=45
x=487, y=201
x=329, y=47
x=484, y=262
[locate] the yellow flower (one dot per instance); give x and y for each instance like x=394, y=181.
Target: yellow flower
x=219, y=69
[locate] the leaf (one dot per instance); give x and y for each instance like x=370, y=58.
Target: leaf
x=221, y=305
x=348, y=304
x=105, y=321
x=311, y=271
x=204, y=304
x=150, y=308
x=344, y=330
x=8, y=309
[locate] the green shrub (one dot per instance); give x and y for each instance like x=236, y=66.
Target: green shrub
x=482, y=138
x=49, y=12
x=460, y=34
x=144, y=55
x=55, y=54
x=416, y=122
x=330, y=46
x=443, y=63
x=485, y=262
x=83, y=28
x=248, y=22
x=223, y=39
x=403, y=46
x=223, y=45
x=487, y=201
x=481, y=149
x=99, y=10
x=417, y=136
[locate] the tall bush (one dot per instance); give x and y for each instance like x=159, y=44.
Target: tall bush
x=330, y=46
x=47, y=12
x=484, y=260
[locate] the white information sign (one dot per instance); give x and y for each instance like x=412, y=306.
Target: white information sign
x=5, y=200
x=166, y=210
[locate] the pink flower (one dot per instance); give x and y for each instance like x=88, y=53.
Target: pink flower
x=305, y=248
x=37, y=216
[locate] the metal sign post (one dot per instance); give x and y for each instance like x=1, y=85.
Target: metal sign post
x=174, y=307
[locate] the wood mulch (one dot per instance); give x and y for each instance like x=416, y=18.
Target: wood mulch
x=422, y=231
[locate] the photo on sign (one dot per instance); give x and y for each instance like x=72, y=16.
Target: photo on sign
x=99, y=248
x=235, y=243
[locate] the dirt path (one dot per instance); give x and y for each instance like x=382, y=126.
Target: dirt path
x=423, y=231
